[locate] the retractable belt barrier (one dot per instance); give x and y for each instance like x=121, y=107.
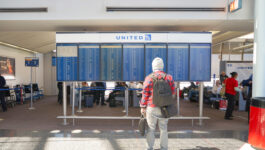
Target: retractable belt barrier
x=111, y=89
x=11, y=89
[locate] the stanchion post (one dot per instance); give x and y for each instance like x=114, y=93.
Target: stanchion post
x=127, y=101
x=80, y=99
x=201, y=103
x=178, y=98
x=64, y=103
x=73, y=102
x=31, y=92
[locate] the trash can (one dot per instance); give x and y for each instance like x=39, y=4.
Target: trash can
x=257, y=123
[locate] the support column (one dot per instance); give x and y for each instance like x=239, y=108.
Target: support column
x=257, y=108
x=259, y=50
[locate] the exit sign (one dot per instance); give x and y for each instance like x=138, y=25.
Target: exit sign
x=235, y=5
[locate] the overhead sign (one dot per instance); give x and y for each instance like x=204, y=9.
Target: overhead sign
x=32, y=61
x=235, y=5
x=181, y=37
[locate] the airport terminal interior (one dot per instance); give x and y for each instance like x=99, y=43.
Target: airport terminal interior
x=74, y=75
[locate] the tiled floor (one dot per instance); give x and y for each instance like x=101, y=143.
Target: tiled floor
x=118, y=140
x=21, y=129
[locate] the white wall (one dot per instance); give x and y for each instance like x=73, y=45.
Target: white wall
x=50, y=84
x=22, y=72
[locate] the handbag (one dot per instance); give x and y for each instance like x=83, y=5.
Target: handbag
x=142, y=126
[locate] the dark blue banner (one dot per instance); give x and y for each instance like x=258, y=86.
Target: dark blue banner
x=200, y=62
x=133, y=60
x=31, y=62
x=178, y=61
x=111, y=62
x=152, y=51
x=89, y=62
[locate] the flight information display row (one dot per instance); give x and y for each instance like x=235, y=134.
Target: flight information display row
x=132, y=62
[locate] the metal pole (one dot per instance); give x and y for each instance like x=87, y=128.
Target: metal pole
x=178, y=104
x=201, y=103
x=80, y=99
x=126, y=101
x=73, y=102
x=31, y=92
x=64, y=103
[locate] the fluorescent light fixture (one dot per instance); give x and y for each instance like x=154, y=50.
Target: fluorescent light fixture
x=54, y=51
x=248, y=36
x=17, y=47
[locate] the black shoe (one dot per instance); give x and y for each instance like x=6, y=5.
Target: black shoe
x=103, y=104
x=97, y=103
x=228, y=118
x=5, y=110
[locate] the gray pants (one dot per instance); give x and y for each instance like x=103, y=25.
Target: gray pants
x=153, y=115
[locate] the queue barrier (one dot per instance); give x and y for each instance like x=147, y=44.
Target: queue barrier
x=129, y=118
x=73, y=116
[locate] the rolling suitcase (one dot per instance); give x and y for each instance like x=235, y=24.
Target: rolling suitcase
x=89, y=100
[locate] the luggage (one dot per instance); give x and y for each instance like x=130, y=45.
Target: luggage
x=222, y=104
x=142, y=126
x=112, y=102
x=89, y=100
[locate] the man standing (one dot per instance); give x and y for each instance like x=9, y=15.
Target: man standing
x=2, y=93
x=223, y=76
x=153, y=113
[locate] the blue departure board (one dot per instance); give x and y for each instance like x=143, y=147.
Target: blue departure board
x=200, y=62
x=111, y=62
x=89, y=62
x=67, y=68
x=133, y=60
x=178, y=61
x=152, y=51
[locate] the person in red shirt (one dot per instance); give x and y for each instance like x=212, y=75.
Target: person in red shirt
x=153, y=113
x=231, y=88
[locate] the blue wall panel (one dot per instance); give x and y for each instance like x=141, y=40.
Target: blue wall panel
x=111, y=62
x=200, y=62
x=152, y=51
x=89, y=62
x=133, y=60
x=178, y=61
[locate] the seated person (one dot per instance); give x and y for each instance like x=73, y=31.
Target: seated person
x=192, y=90
x=118, y=86
x=217, y=89
x=139, y=86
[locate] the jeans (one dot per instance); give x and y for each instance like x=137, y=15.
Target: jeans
x=153, y=115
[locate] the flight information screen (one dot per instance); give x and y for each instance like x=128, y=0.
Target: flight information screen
x=111, y=62
x=67, y=62
x=133, y=60
x=152, y=51
x=89, y=62
x=178, y=61
x=200, y=62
